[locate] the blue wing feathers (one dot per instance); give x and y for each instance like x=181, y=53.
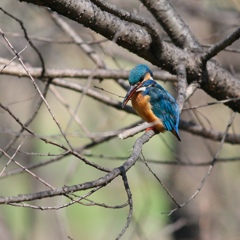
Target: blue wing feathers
x=163, y=105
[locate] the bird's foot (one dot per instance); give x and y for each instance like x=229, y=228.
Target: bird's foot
x=151, y=128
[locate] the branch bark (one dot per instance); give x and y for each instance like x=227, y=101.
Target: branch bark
x=215, y=81
x=172, y=23
x=102, y=181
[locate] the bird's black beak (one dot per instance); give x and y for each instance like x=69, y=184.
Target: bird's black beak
x=129, y=94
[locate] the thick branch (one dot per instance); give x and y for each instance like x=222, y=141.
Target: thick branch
x=172, y=23
x=218, y=83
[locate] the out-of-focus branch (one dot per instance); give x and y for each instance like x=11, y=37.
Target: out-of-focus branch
x=18, y=71
x=78, y=40
x=98, y=139
x=208, y=133
x=130, y=203
x=28, y=39
x=202, y=183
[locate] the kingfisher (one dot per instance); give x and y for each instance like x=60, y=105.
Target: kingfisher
x=151, y=101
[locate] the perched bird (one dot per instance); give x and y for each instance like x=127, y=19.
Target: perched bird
x=151, y=101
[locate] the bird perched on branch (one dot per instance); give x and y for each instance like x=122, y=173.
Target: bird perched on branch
x=151, y=101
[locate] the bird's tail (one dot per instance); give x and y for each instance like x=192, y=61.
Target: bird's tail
x=175, y=133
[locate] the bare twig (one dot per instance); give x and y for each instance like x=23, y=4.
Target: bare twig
x=102, y=181
x=130, y=202
x=218, y=47
x=28, y=39
x=159, y=180
x=36, y=87
x=26, y=170
x=11, y=158
x=7, y=64
x=208, y=133
x=210, y=167
x=73, y=152
x=106, y=74
x=210, y=104
x=69, y=109
x=77, y=39
x=29, y=121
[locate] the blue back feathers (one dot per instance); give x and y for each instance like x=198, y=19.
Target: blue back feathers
x=163, y=104
x=137, y=74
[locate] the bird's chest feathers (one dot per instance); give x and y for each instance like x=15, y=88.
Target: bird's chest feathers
x=143, y=107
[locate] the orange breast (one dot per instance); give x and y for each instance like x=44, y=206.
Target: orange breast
x=144, y=109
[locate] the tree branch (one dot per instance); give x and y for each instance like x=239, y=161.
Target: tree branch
x=18, y=71
x=137, y=148
x=182, y=84
x=218, y=47
x=139, y=41
x=172, y=23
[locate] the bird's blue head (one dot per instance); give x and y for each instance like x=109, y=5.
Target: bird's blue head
x=136, y=78
x=138, y=74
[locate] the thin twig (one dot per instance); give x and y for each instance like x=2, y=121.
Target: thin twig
x=29, y=40
x=73, y=152
x=36, y=87
x=210, y=167
x=102, y=181
x=4, y=66
x=26, y=170
x=218, y=47
x=210, y=104
x=159, y=180
x=130, y=202
x=11, y=158
x=77, y=39
x=29, y=121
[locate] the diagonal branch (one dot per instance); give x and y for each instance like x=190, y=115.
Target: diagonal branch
x=102, y=181
x=172, y=23
x=130, y=202
x=28, y=39
x=138, y=40
x=220, y=146
x=218, y=47
x=77, y=39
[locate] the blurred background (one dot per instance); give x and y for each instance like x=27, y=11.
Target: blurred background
x=213, y=214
